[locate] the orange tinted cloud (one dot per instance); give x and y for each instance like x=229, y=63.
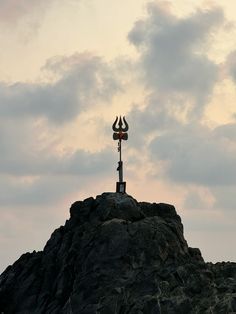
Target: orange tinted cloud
x=11, y=11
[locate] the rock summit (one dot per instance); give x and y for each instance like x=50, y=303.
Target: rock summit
x=118, y=256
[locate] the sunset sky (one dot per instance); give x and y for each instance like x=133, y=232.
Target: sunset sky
x=68, y=67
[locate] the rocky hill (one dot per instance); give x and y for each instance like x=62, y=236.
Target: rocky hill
x=116, y=256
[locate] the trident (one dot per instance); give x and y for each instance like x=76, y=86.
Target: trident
x=120, y=134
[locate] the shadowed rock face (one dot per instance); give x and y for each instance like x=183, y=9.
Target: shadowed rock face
x=117, y=256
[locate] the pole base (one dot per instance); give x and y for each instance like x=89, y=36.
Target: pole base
x=120, y=187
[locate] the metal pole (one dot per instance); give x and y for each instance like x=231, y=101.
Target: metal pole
x=120, y=163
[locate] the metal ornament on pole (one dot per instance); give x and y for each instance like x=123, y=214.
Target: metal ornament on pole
x=120, y=129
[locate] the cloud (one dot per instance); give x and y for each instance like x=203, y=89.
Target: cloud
x=32, y=162
x=12, y=11
x=43, y=190
x=35, y=115
x=154, y=118
x=180, y=78
x=231, y=65
x=226, y=131
x=33, y=171
x=50, y=181
x=225, y=198
x=30, y=175
x=173, y=54
x=197, y=155
x=84, y=80
x=198, y=197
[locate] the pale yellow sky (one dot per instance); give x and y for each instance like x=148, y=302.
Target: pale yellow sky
x=102, y=29
x=99, y=27
x=65, y=29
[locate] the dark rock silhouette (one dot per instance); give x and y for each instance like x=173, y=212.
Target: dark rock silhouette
x=117, y=256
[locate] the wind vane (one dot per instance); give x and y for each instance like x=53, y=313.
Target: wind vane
x=120, y=129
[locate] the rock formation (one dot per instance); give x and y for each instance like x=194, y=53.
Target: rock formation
x=118, y=256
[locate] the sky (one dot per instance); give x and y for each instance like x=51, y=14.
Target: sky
x=69, y=67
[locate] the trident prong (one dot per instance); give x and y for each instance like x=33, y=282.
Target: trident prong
x=114, y=127
x=119, y=128
x=126, y=128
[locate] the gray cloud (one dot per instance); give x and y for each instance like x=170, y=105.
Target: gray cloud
x=32, y=173
x=180, y=78
x=82, y=83
x=40, y=191
x=28, y=180
x=37, y=164
x=227, y=131
x=225, y=198
x=25, y=153
x=194, y=201
x=173, y=54
x=155, y=118
x=231, y=65
x=196, y=155
x=46, y=183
